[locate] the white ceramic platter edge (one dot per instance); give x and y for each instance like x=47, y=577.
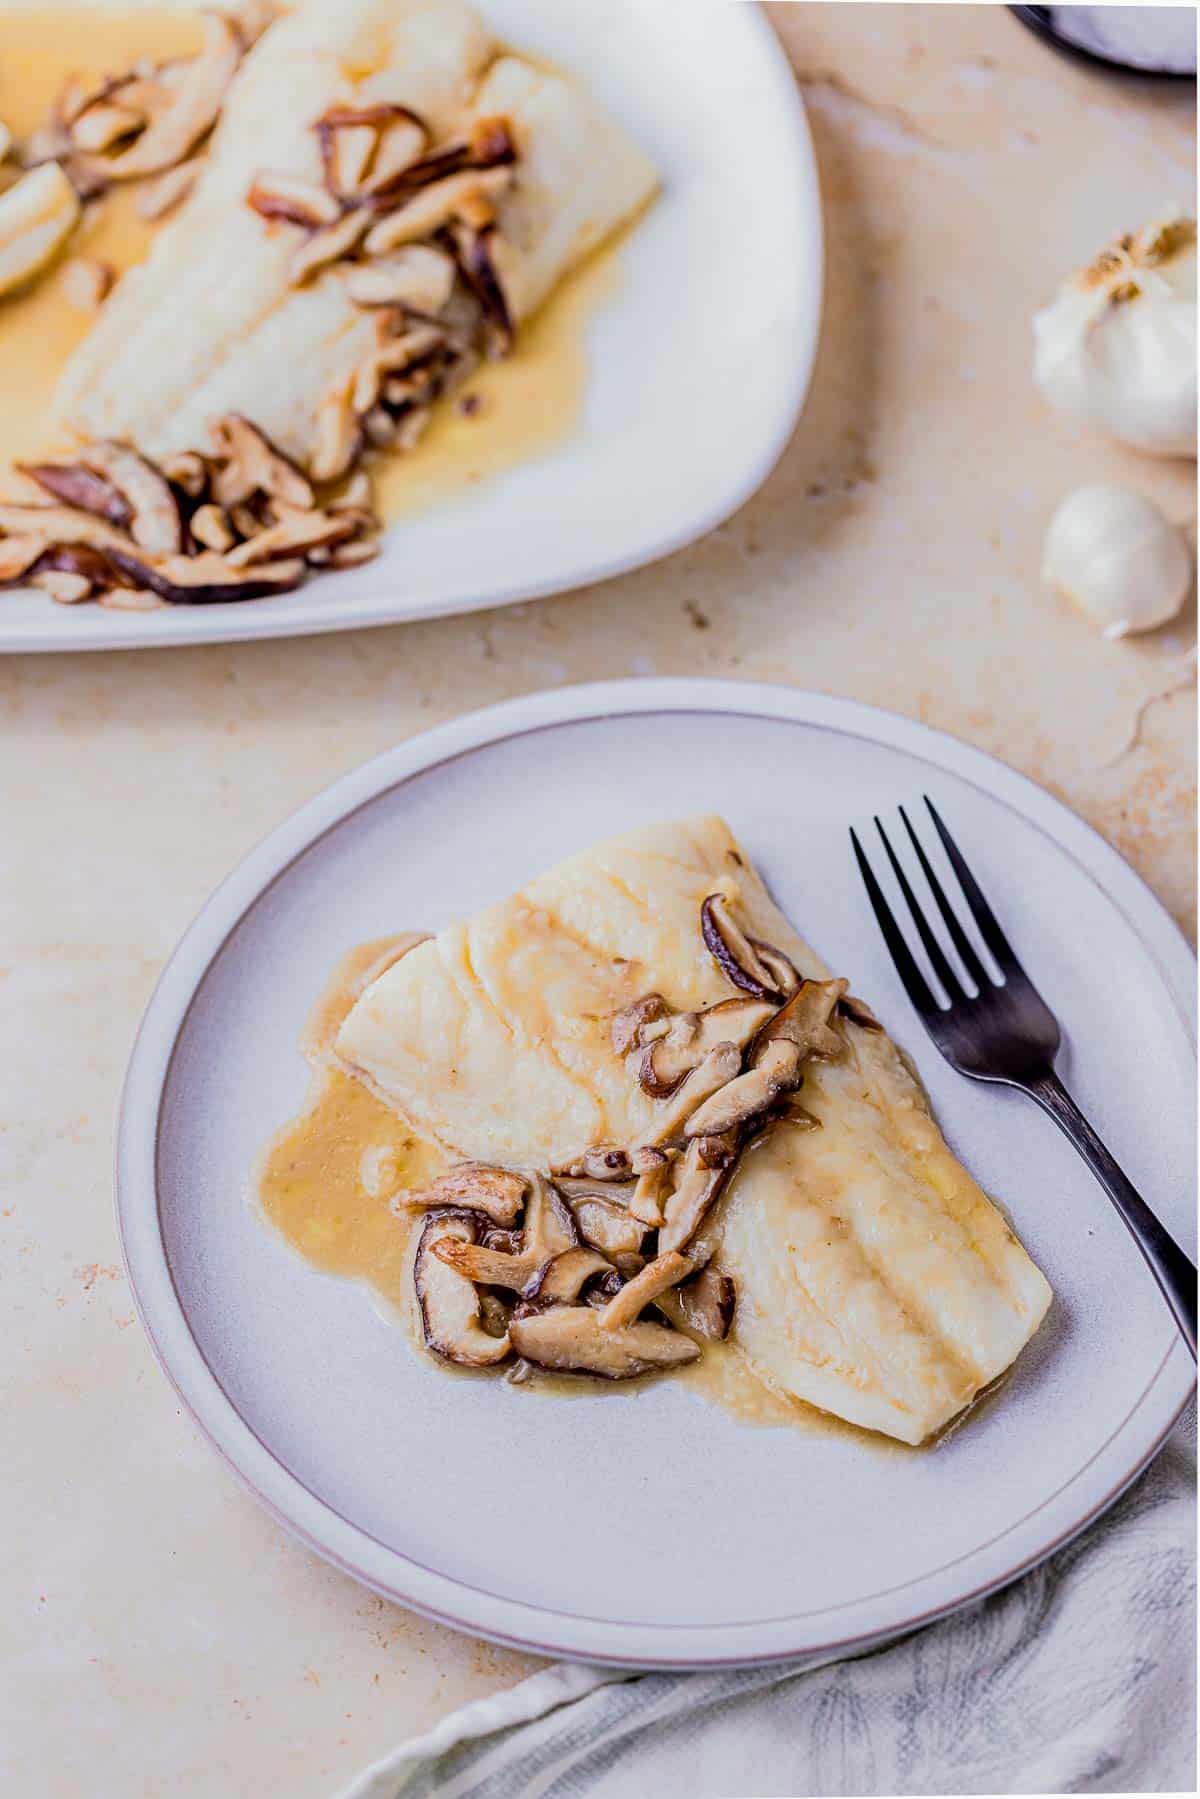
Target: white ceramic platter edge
x=659, y=457
x=466, y=1606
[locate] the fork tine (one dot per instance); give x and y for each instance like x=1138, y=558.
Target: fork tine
x=985, y=918
x=914, y=981
x=933, y=948
x=962, y=943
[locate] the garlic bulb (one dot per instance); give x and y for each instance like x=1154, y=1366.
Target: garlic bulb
x=1115, y=556
x=1117, y=348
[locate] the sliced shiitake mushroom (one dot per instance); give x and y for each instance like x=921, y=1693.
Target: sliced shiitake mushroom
x=487, y=144
x=702, y=1174
x=435, y=206
x=419, y=276
x=572, y=1340
x=657, y=1277
x=449, y=1304
x=498, y=1192
x=278, y=195
x=561, y=1281
x=76, y=485
x=195, y=101
x=608, y=1227
x=782, y=970
x=805, y=1021
x=652, y=1186
x=629, y=1024
x=707, y=1303
x=479, y=254
x=548, y=1231
x=734, y=952
x=252, y=464
x=206, y=579
x=155, y=522
x=721, y=1065
x=690, y=1037
x=777, y=1069
x=603, y=1163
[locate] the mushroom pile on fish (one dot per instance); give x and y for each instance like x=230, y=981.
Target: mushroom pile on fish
x=361, y=204
x=665, y=1126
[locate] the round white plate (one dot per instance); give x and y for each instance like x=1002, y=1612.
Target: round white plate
x=697, y=364
x=655, y=1528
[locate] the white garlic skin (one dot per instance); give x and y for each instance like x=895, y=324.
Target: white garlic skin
x=1115, y=556
x=1116, y=350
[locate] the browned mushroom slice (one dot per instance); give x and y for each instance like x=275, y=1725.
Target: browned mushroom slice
x=721, y=1065
x=485, y=1266
x=188, y=472
x=571, y=1340
x=657, y=1277
x=497, y=1191
x=352, y=138
x=608, y=1227
x=433, y=207
x=782, y=970
x=707, y=1303
x=605, y=1162
x=857, y=1010
x=252, y=464
x=734, y=952
x=702, y=1174
x=805, y=1021
x=155, y=522
x=329, y=244
x=629, y=1024
x=76, y=485
x=478, y=258
x=449, y=1304
x=777, y=1069
x=194, y=104
x=418, y=276
x=289, y=197
x=653, y=1185
x=24, y=559
x=562, y=1280
x=488, y=144
x=206, y=579
x=690, y=1037
x=294, y=535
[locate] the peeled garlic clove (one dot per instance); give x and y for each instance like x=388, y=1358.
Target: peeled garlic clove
x=1116, y=350
x=1115, y=556
x=36, y=217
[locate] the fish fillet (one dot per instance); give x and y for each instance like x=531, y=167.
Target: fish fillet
x=211, y=322
x=875, y=1279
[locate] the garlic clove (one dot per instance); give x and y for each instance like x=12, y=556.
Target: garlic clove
x=1117, y=558
x=1116, y=349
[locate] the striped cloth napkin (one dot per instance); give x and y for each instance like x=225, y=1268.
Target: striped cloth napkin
x=1079, y=1678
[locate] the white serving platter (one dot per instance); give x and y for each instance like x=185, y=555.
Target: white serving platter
x=697, y=364
x=654, y=1528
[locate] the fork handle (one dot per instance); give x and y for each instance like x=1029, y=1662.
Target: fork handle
x=1175, y=1274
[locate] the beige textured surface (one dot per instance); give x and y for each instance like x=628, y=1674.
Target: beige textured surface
x=159, y=1632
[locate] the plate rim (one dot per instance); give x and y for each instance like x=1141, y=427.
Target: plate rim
x=515, y=1623
x=251, y=621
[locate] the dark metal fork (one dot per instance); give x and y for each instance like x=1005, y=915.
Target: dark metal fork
x=1006, y=1033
